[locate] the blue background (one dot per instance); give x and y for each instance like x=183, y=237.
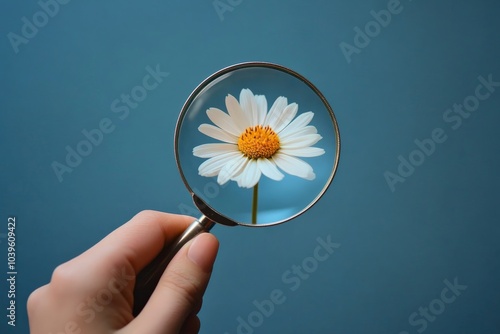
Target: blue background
x=397, y=247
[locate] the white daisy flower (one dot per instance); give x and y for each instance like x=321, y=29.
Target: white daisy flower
x=255, y=141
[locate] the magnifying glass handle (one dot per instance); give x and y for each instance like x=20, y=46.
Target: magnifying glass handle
x=148, y=278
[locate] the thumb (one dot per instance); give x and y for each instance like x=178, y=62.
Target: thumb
x=180, y=290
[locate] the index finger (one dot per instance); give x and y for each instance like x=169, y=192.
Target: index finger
x=137, y=242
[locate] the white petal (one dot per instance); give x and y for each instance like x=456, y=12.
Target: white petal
x=212, y=150
x=250, y=175
x=231, y=169
x=212, y=166
x=249, y=106
x=276, y=110
x=217, y=133
x=306, y=152
x=223, y=121
x=269, y=169
x=301, y=141
x=237, y=115
x=301, y=121
x=262, y=108
x=300, y=131
x=285, y=118
x=294, y=166
x=237, y=176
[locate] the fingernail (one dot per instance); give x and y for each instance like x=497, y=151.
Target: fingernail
x=202, y=251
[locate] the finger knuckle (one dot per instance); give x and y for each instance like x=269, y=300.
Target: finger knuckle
x=35, y=299
x=147, y=215
x=62, y=275
x=66, y=277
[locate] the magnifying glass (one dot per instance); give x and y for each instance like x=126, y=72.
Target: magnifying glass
x=256, y=144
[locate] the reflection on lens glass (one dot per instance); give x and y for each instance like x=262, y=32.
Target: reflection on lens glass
x=263, y=138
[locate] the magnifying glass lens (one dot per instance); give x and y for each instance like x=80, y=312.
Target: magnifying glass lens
x=257, y=143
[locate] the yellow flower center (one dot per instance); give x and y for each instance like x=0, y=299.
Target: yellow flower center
x=259, y=142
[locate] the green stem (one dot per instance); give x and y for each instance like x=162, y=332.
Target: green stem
x=255, y=199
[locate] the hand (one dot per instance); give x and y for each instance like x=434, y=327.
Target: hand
x=93, y=293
